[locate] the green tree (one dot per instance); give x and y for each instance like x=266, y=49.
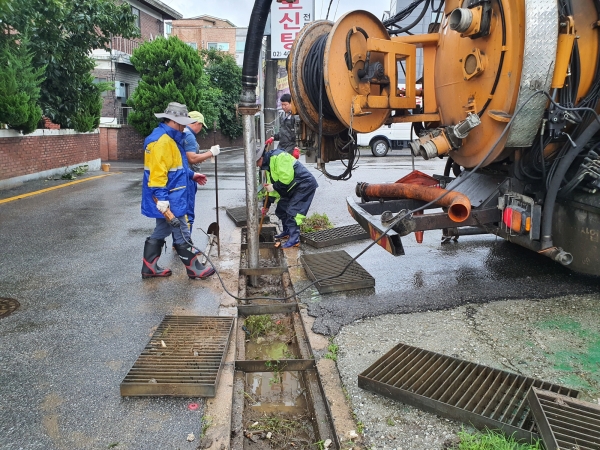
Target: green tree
x=62, y=34
x=171, y=71
x=19, y=88
x=226, y=75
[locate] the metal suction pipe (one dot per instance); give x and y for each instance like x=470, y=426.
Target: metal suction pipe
x=460, y=19
x=459, y=206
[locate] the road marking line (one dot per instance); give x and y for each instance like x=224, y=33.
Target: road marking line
x=30, y=194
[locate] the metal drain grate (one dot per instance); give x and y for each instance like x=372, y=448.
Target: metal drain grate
x=334, y=236
x=8, y=306
x=327, y=264
x=457, y=389
x=239, y=216
x=565, y=423
x=187, y=365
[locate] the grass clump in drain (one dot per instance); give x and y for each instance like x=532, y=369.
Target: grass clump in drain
x=262, y=325
x=316, y=222
x=281, y=432
x=332, y=351
x=489, y=440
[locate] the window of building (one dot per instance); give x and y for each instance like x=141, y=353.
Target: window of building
x=220, y=46
x=136, y=12
x=240, y=46
x=168, y=28
x=194, y=45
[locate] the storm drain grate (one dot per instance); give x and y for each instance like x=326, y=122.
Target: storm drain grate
x=327, y=264
x=334, y=236
x=457, y=389
x=8, y=306
x=240, y=217
x=565, y=423
x=184, y=358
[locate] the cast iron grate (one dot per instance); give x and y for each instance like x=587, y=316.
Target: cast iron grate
x=565, y=423
x=334, y=236
x=327, y=264
x=189, y=362
x=457, y=389
x=239, y=216
x=8, y=306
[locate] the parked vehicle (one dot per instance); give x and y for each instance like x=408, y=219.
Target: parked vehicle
x=395, y=136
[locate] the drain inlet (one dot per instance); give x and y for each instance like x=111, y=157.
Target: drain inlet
x=334, y=236
x=327, y=264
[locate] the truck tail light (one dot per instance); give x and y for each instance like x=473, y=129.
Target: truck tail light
x=516, y=219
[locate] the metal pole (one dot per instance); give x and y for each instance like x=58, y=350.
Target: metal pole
x=251, y=196
x=261, y=90
x=217, y=191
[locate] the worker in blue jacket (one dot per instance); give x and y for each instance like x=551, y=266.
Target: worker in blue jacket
x=167, y=178
x=296, y=187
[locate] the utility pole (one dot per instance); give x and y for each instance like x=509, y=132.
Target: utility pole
x=270, y=105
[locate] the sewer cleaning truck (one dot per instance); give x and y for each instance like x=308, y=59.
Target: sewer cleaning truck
x=510, y=92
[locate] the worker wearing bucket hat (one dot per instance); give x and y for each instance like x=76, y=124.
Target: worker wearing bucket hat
x=194, y=157
x=167, y=178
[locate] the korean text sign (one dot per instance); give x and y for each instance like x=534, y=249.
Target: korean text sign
x=287, y=19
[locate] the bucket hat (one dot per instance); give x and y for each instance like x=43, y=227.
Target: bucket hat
x=177, y=113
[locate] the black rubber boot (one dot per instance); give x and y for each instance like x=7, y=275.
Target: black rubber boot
x=190, y=260
x=152, y=250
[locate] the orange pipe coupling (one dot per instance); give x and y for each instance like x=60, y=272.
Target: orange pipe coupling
x=459, y=205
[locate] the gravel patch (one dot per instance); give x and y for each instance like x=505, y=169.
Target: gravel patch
x=556, y=340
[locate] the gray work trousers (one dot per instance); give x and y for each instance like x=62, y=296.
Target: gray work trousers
x=163, y=229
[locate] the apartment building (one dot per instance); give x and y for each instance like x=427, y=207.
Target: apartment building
x=206, y=32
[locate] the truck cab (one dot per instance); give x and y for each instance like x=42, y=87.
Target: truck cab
x=393, y=136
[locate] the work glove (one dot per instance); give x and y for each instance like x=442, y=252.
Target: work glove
x=199, y=178
x=269, y=187
x=215, y=150
x=269, y=141
x=296, y=153
x=264, y=211
x=162, y=205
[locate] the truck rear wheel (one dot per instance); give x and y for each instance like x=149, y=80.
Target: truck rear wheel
x=379, y=147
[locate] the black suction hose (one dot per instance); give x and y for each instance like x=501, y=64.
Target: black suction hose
x=256, y=30
x=559, y=174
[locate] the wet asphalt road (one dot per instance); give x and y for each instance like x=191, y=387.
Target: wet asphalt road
x=72, y=258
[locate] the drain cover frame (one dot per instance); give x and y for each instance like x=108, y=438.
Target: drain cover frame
x=326, y=264
x=188, y=365
x=239, y=216
x=334, y=236
x=565, y=422
x=8, y=306
x=457, y=389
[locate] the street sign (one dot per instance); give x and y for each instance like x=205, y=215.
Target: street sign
x=287, y=19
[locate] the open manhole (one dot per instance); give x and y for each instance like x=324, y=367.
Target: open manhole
x=8, y=306
x=331, y=264
x=334, y=236
x=457, y=389
x=240, y=217
x=184, y=358
x=565, y=423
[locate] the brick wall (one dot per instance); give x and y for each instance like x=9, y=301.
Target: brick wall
x=150, y=27
x=120, y=142
x=45, y=150
x=202, y=32
x=207, y=140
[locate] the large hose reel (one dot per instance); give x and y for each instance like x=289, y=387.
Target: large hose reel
x=354, y=80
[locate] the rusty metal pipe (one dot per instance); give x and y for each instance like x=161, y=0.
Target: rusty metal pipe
x=459, y=206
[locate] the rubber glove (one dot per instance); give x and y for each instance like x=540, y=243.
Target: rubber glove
x=163, y=205
x=215, y=150
x=296, y=153
x=269, y=187
x=264, y=211
x=199, y=178
x=269, y=141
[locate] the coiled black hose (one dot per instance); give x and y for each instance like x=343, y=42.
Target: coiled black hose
x=313, y=74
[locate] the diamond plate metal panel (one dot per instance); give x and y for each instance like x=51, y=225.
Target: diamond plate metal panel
x=238, y=215
x=334, y=236
x=541, y=40
x=331, y=264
